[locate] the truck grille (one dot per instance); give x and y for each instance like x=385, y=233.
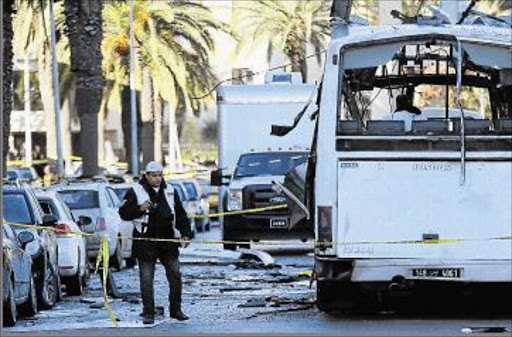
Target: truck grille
x=257, y=196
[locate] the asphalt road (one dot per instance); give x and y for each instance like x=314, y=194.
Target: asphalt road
x=224, y=297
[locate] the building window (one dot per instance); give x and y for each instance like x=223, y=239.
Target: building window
x=241, y=76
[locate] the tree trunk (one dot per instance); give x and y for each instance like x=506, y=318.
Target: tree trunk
x=7, y=66
x=84, y=30
x=299, y=63
x=158, y=128
x=147, y=115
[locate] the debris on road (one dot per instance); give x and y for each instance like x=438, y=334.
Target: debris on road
x=256, y=302
x=227, y=289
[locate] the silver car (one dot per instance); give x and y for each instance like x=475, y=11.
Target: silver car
x=73, y=261
x=98, y=201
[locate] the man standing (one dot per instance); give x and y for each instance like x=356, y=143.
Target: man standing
x=157, y=213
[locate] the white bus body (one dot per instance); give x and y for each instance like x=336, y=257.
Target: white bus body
x=398, y=210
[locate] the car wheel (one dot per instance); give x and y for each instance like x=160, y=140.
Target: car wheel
x=131, y=262
x=60, y=294
x=10, y=306
x=87, y=274
x=48, y=292
x=74, y=285
x=29, y=308
x=117, y=260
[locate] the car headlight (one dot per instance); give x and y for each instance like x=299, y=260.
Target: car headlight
x=234, y=200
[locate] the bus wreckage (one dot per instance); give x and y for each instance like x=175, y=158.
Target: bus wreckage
x=420, y=207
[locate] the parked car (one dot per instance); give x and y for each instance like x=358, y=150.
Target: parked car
x=19, y=285
x=200, y=202
x=98, y=201
x=188, y=206
x=120, y=189
x=27, y=174
x=73, y=261
x=21, y=207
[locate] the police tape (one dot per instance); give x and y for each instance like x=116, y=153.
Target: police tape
x=317, y=243
x=103, y=256
x=103, y=253
x=252, y=210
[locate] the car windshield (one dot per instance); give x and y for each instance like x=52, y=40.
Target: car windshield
x=16, y=209
x=191, y=189
x=121, y=192
x=271, y=163
x=80, y=199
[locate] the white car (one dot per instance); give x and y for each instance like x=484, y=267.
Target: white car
x=189, y=206
x=127, y=228
x=72, y=254
x=202, y=206
x=98, y=201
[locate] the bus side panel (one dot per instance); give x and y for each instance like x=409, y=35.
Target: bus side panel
x=381, y=203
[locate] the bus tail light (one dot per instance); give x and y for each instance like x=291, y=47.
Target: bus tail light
x=324, y=227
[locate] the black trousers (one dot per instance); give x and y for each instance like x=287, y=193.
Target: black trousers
x=147, y=275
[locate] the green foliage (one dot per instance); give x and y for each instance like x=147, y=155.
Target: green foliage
x=174, y=39
x=285, y=25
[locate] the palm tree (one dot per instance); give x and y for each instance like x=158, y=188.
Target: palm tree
x=369, y=9
x=32, y=31
x=174, y=42
x=287, y=26
x=494, y=7
x=7, y=17
x=85, y=34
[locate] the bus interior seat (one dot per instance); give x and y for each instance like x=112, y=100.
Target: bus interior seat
x=346, y=127
x=379, y=127
x=503, y=125
x=473, y=126
x=422, y=127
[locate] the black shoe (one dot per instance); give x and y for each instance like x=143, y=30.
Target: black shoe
x=148, y=320
x=179, y=315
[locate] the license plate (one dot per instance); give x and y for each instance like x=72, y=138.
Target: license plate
x=450, y=273
x=278, y=223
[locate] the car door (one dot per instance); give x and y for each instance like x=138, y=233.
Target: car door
x=20, y=262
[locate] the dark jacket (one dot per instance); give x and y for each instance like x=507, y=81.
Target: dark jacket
x=159, y=224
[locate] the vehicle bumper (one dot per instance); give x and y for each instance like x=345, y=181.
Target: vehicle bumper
x=479, y=271
x=68, y=256
x=93, y=244
x=257, y=227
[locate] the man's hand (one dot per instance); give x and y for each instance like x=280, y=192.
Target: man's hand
x=186, y=238
x=145, y=206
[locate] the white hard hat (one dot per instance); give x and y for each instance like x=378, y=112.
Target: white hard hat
x=153, y=166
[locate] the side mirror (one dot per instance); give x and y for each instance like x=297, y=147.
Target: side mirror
x=50, y=219
x=217, y=179
x=25, y=238
x=84, y=220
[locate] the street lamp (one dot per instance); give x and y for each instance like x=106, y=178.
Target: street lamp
x=134, y=154
x=56, y=97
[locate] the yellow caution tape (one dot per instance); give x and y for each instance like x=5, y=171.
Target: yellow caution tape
x=49, y=229
x=103, y=255
x=252, y=210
